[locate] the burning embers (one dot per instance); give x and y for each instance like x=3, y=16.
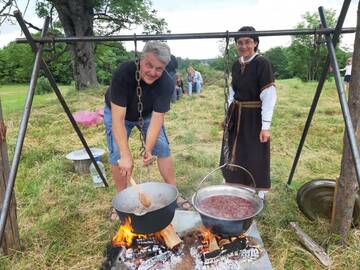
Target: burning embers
x=200, y=249
x=139, y=251
x=226, y=252
x=126, y=238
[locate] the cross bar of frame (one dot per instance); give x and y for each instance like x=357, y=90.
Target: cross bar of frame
x=288, y=32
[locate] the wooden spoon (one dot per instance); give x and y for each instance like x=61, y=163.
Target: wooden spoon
x=143, y=198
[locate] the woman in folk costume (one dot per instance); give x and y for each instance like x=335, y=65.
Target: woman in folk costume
x=246, y=140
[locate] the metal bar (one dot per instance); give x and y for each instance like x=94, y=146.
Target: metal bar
x=285, y=32
x=22, y=131
x=322, y=79
x=344, y=105
x=52, y=81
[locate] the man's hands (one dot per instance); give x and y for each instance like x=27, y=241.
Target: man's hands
x=148, y=158
x=264, y=135
x=126, y=165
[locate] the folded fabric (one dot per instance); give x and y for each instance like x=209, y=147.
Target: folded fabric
x=87, y=119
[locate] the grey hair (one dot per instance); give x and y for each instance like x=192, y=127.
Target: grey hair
x=160, y=49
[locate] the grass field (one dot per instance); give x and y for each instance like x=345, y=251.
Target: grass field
x=64, y=221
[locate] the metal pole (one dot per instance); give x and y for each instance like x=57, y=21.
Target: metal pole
x=285, y=32
x=344, y=106
x=22, y=132
x=322, y=79
x=52, y=81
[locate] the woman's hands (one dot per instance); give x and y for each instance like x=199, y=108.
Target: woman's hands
x=264, y=135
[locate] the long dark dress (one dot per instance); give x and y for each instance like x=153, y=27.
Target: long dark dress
x=243, y=146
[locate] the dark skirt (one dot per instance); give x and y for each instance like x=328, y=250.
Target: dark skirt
x=347, y=78
x=250, y=153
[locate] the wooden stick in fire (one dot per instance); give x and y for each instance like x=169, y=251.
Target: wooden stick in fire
x=213, y=245
x=170, y=237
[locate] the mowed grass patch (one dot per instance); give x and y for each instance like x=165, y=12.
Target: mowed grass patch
x=64, y=221
x=14, y=97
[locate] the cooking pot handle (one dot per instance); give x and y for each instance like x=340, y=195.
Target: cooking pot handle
x=233, y=165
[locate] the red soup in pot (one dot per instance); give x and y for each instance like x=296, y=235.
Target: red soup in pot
x=227, y=206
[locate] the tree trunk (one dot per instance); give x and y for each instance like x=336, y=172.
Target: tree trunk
x=77, y=20
x=11, y=241
x=347, y=184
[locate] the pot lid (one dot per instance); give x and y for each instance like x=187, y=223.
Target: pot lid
x=83, y=155
x=315, y=199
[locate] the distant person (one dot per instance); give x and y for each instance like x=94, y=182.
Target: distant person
x=179, y=87
x=195, y=80
x=347, y=76
x=246, y=140
x=171, y=70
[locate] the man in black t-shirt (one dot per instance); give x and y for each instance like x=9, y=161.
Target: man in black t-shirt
x=121, y=113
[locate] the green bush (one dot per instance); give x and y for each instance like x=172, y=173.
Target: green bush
x=43, y=86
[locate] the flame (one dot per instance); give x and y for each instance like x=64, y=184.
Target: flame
x=211, y=241
x=125, y=235
x=208, y=238
x=205, y=233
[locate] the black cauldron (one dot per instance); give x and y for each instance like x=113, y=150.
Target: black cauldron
x=148, y=220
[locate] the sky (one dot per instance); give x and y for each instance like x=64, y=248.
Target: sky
x=201, y=16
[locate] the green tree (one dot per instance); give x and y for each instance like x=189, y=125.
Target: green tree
x=105, y=17
x=58, y=59
x=279, y=59
x=306, y=55
x=219, y=63
x=108, y=56
x=16, y=63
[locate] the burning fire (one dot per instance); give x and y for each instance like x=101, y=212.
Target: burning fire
x=211, y=241
x=125, y=235
x=206, y=233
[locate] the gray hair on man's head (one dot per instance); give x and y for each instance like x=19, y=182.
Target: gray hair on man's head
x=160, y=49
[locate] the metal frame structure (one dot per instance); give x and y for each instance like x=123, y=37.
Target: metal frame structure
x=38, y=46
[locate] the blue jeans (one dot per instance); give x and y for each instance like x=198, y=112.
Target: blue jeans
x=161, y=148
x=194, y=86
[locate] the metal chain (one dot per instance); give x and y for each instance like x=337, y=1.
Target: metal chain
x=140, y=106
x=226, y=149
x=226, y=73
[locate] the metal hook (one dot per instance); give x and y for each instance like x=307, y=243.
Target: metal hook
x=227, y=40
x=135, y=44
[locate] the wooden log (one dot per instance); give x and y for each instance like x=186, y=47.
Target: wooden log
x=213, y=245
x=223, y=242
x=11, y=239
x=170, y=237
x=311, y=245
